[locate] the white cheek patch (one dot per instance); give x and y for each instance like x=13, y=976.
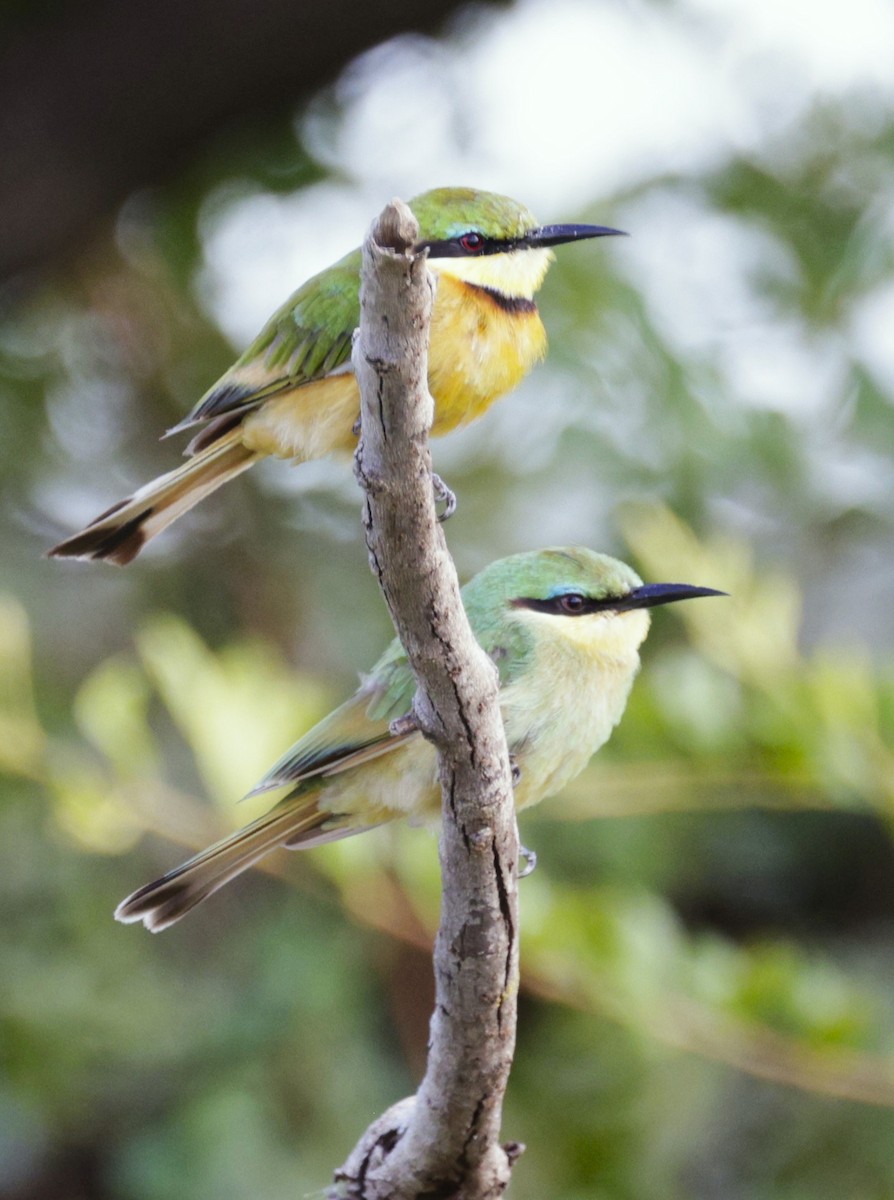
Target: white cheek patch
x=518, y=273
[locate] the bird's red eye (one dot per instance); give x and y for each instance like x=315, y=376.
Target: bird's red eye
x=572, y=604
x=472, y=242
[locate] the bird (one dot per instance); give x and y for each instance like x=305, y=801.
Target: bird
x=292, y=393
x=563, y=626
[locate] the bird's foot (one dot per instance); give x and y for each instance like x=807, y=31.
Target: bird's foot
x=401, y=726
x=443, y=495
x=530, y=857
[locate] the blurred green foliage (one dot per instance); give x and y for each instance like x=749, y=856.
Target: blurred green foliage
x=271, y=1024
x=708, y=939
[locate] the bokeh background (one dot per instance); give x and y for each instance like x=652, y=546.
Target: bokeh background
x=707, y=1009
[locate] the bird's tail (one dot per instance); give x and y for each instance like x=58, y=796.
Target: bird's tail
x=119, y=534
x=296, y=822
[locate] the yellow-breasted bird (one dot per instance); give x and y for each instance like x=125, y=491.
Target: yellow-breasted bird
x=563, y=626
x=293, y=394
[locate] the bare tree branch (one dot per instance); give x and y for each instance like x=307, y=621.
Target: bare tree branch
x=444, y=1142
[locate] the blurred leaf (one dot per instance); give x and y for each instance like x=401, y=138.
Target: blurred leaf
x=111, y=709
x=22, y=740
x=238, y=709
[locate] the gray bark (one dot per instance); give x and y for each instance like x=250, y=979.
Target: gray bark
x=444, y=1142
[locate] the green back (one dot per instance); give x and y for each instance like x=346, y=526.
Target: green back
x=305, y=339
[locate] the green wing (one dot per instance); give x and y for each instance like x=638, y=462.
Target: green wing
x=304, y=340
x=360, y=729
x=357, y=731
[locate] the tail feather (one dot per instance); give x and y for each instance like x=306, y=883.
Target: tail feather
x=120, y=533
x=292, y=823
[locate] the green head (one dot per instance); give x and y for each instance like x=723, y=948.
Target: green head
x=564, y=586
x=465, y=223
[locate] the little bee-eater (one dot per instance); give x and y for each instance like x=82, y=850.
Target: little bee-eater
x=293, y=394
x=563, y=626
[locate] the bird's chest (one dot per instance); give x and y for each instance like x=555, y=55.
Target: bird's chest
x=481, y=346
x=559, y=716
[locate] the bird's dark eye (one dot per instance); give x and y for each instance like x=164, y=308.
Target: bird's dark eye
x=472, y=242
x=572, y=604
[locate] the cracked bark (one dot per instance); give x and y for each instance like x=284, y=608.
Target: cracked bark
x=444, y=1141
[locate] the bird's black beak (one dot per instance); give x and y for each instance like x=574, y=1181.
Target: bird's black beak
x=652, y=594
x=556, y=235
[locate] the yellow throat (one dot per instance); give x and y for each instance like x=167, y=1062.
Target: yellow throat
x=486, y=333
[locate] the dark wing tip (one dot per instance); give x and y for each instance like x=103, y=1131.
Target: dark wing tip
x=226, y=399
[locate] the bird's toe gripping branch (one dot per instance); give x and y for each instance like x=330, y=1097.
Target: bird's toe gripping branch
x=530, y=857
x=443, y=495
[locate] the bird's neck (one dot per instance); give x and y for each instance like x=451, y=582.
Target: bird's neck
x=512, y=277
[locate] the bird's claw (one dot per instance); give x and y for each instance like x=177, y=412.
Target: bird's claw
x=444, y=495
x=401, y=726
x=530, y=857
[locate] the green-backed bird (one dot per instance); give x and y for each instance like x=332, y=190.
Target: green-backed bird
x=563, y=626
x=293, y=394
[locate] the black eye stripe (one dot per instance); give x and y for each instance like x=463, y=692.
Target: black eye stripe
x=647, y=595
x=453, y=247
x=572, y=604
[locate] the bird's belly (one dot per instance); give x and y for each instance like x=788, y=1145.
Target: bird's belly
x=555, y=757
x=401, y=784
x=307, y=422
x=552, y=740
x=478, y=351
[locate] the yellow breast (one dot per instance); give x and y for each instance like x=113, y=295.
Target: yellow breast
x=480, y=348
